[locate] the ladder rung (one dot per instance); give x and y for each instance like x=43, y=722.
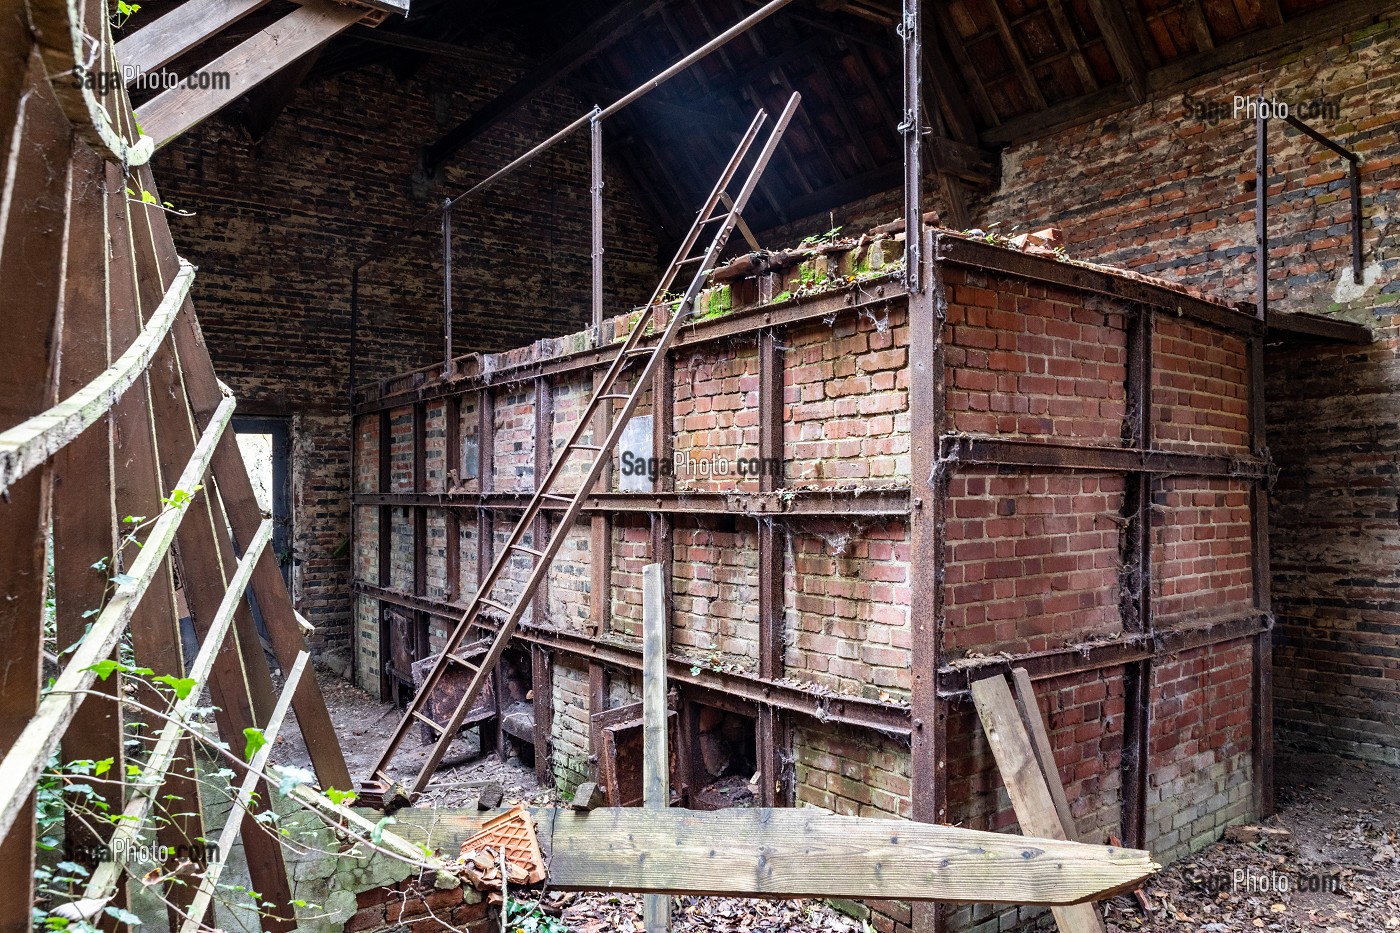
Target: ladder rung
x=686, y=262
x=557, y=497
x=712, y=218
x=613, y=395
x=500, y=606
x=641, y=351
x=458, y=659
x=527, y=550
x=425, y=720
x=584, y=447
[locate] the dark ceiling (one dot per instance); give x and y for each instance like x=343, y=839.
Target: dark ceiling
x=997, y=72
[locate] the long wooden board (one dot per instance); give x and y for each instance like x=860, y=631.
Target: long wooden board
x=801, y=853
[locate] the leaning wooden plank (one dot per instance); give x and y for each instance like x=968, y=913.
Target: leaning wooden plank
x=1044, y=751
x=801, y=853
x=656, y=786
x=255, y=60
x=33, y=207
x=1025, y=783
x=31, y=443
x=40, y=738
x=195, y=919
x=172, y=35
x=148, y=785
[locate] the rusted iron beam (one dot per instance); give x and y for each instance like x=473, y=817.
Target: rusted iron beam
x=868, y=296
x=964, y=449
x=793, y=503
x=1086, y=657
x=887, y=718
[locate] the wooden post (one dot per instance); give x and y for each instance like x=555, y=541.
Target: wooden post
x=656, y=789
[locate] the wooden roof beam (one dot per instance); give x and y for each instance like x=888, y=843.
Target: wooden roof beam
x=163, y=40
x=585, y=46
x=1118, y=36
x=258, y=58
x=1018, y=57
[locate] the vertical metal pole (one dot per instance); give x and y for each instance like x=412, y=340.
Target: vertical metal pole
x=447, y=288
x=656, y=789
x=1355, y=172
x=595, y=191
x=911, y=32
x=1261, y=206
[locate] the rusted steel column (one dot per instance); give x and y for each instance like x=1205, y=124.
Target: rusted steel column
x=451, y=478
x=1135, y=596
x=773, y=746
x=929, y=483
x=911, y=32
x=541, y=670
x=1262, y=720
x=386, y=545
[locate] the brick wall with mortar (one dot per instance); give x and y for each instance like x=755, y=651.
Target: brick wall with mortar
x=277, y=226
x=415, y=907
x=1156, y=190
x=1024, y=546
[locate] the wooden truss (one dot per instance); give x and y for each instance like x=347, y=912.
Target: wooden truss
x=109, y=407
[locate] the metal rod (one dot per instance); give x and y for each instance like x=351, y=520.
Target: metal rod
x=595, y=192
x=1354, y=179
x=651, y=84
x=447, y=288
x=1306, y=130
x=910, y=32
x=1261, y=206
x=1354, y=171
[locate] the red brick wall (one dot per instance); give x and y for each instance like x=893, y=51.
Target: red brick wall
x=1199, y=747
x=1029, y=360
x=1152, y=190
x=416, y=907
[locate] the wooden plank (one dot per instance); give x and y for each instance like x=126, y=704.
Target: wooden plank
x=1044, y=751
x=165, y=39
x=656, y=787
x=801, y=853
x=1026, y=784
x=1123, y=49
x=84, y=517
x=258, y=58
x=32, y=231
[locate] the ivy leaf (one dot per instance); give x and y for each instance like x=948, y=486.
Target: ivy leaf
x=100, y=768
x=122, y=916
x=124, y=579
x=181, y=685
x=104, y=669
x=254, y=740
x=340, y=797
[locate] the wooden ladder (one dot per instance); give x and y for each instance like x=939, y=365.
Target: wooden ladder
x=480, y=637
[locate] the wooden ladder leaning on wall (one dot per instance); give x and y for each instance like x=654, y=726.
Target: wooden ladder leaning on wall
x=480, y=637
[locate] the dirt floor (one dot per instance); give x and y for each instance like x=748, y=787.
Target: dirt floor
x=1328, y=862
x=1336, y=869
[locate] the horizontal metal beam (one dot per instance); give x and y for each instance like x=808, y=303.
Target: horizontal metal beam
x=887, y=718
x=954, y=680
x=426, y=384
x=1317, y=327
x=965, y=449
x=796, y=502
